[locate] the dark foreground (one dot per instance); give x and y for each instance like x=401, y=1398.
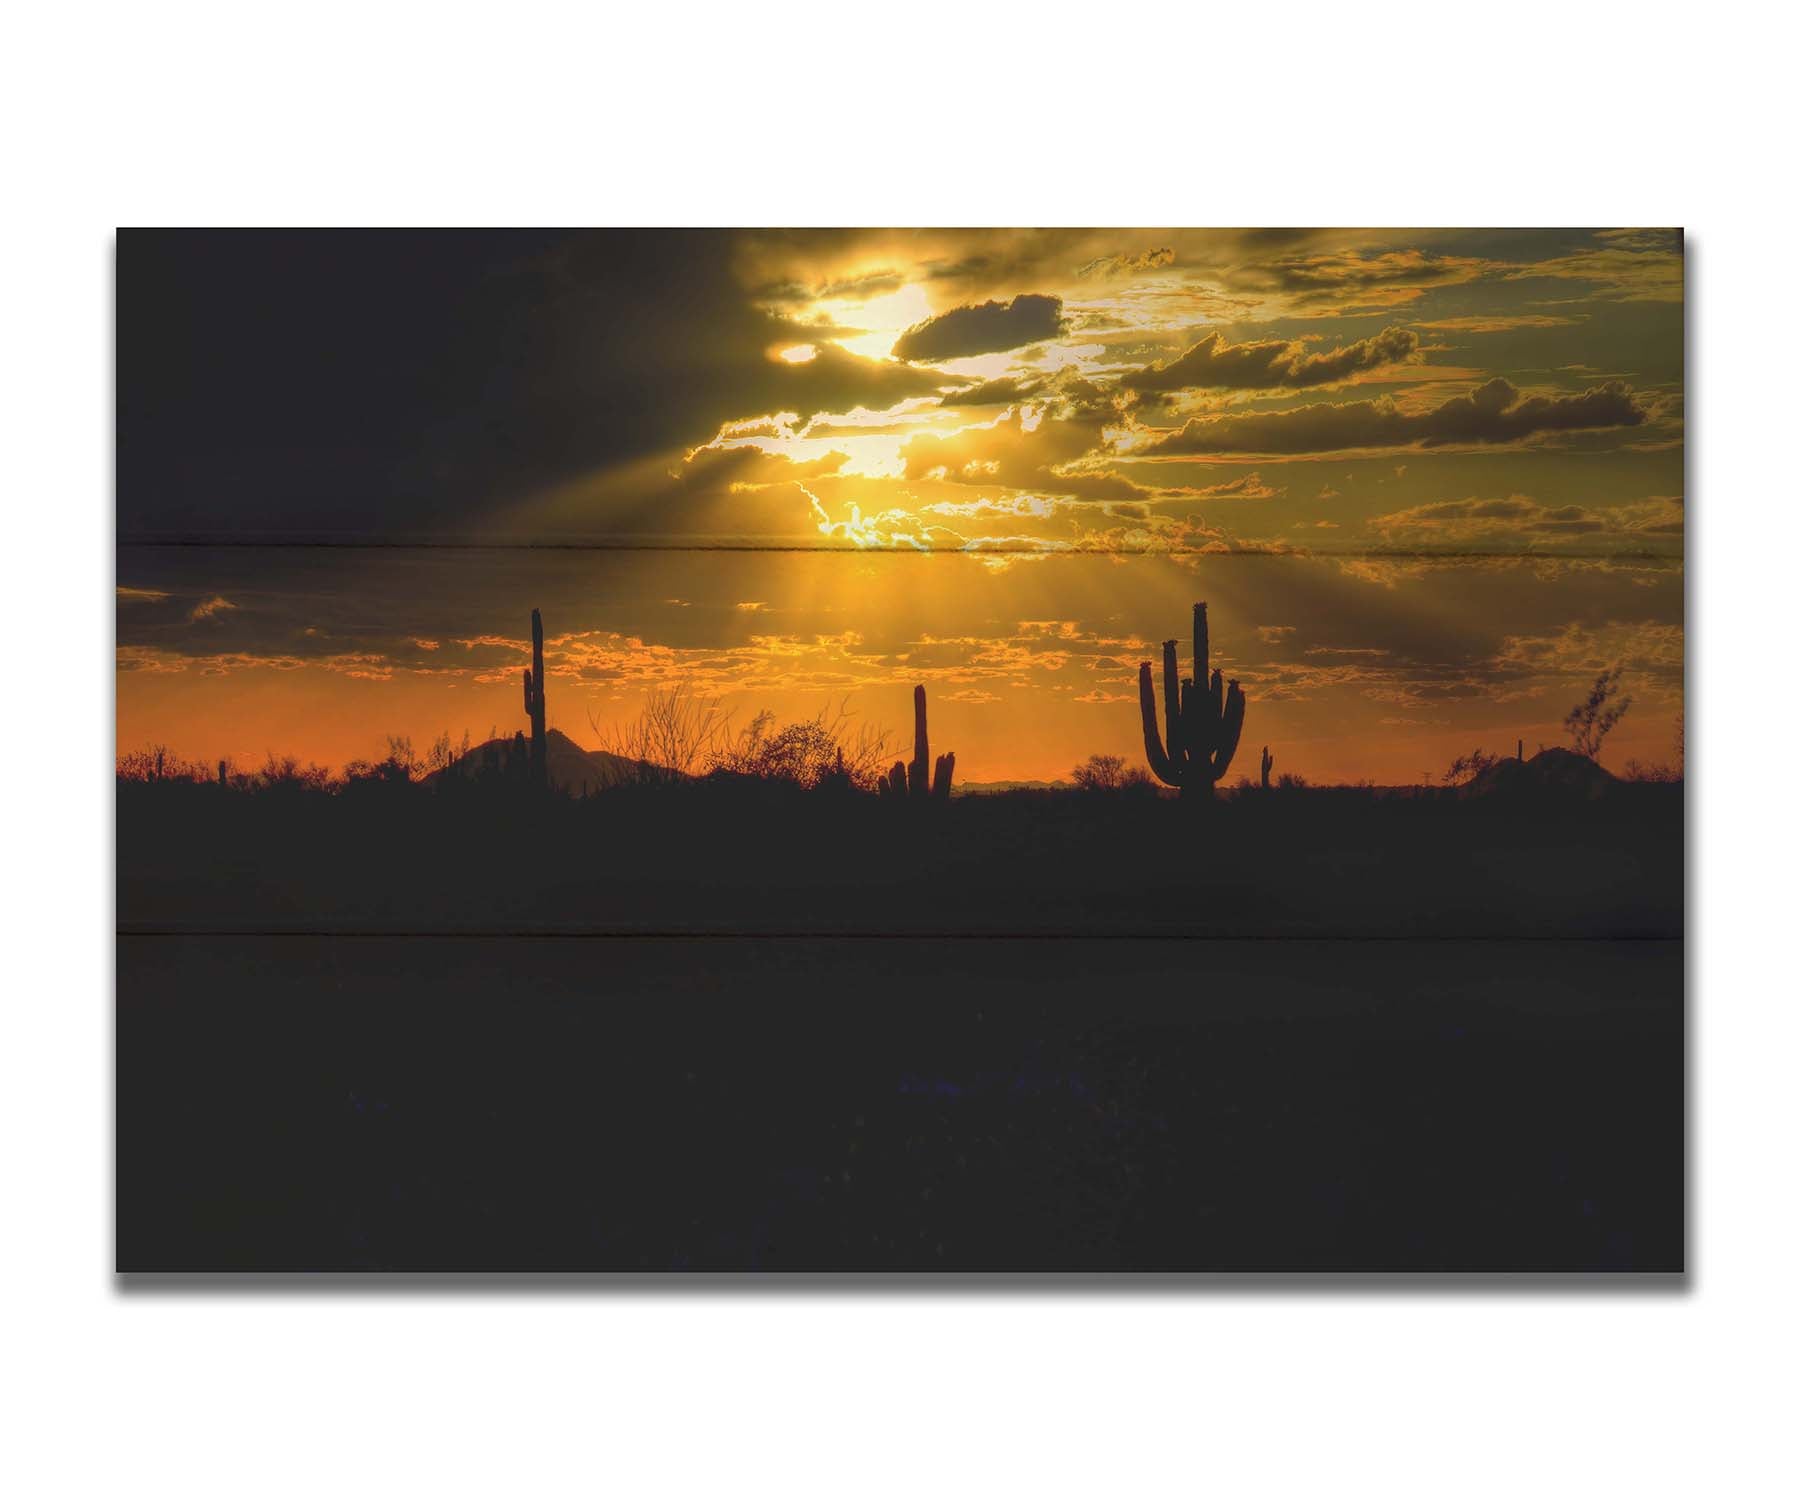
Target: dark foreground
x=592, y=1104
x=1328, y=862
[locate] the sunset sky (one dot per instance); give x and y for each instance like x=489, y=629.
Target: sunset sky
x=1430, y=483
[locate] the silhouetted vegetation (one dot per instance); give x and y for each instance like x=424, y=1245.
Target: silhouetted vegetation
x=920, y=780
x=1109, y=773
x=686, y=825
x=1596, y=716
x=785, y=837
x=672, y=737
x=828, y=752
x=1203, y=719
x=436, y=1103
x=1465, y=768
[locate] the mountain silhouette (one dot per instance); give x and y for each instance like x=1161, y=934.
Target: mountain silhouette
x=1554, y=772
x=572, y=769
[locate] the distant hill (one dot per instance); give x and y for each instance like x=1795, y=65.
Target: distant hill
x=572, y=769
x=1555, y=772
x=980, y=788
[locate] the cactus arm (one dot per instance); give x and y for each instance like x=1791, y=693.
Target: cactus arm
x=1218, y=697
x=1153, y=747
x=940, y=781
x=1196, y=729
x=528, y=698
x=1231, y=727
x=1172, y=705
x=921, y=761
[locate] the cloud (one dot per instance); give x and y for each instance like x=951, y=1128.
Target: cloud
x=1496, y=413
x=1463, y=520
x=1245, y=487
x=1270, y=364
x=746, y=466
x=1628, y=265
x=211, y=608
x=1006, y=391
x=1015, y=456
x=139, y=596
x=835, y=380
x=1652, y=648
x=1349, y=280
x=986, y=328
x=1105, y=266
x=1496, y=323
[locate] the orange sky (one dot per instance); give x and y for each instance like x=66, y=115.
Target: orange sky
x=1429, y=482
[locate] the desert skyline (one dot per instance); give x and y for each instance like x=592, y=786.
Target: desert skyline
x=1430, y=482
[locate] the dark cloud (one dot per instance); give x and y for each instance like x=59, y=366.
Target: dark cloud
x=383, y=383
x=985, y=328
x=1362, y=279
x=1002, y=392
x=1643, y=522
x=1495, y=413
x=1213, y=364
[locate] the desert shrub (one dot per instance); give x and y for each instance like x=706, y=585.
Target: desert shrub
x=1465, y=768
x=284, y=773
x=393, y=771
x=673, y=737
x=1108, y=773
x=827, y=749
x=159, y=763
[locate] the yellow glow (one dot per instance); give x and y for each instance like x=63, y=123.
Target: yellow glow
x=800, y=354
x=882, y=319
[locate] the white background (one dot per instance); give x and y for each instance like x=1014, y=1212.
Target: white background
x=798, y=114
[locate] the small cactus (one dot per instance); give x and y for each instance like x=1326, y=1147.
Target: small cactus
x=1204, y=719
x=1268, y=764
x=923, y=778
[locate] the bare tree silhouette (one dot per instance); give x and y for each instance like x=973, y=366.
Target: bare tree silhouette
x=1465, y=768
x=1108, y=773
x=829, y=749
x=672, y=739
x=1590, y=721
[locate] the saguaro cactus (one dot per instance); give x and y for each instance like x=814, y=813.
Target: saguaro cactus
x=1204, y=719
x=534, y=705
x=1268, y=765
x=922, y=779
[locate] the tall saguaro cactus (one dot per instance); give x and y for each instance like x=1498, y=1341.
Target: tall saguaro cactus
x=534, y=705
x=922, y=779
x=1203, y=719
